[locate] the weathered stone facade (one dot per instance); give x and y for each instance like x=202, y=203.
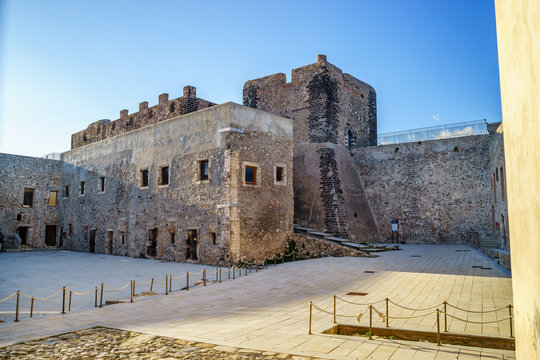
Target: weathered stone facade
x=190, y=216
x=36, y=219
x=333, y=114
x=165, y=109
x=438, y=190
x=499, y=205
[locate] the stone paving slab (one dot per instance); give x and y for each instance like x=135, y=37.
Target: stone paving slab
x=268, y=311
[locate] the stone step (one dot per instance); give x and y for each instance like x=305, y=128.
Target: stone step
x=301, y=228
x=316, y=233
x=351, y=244
x=333, y=238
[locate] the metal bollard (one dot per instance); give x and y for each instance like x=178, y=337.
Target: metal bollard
x=166, y=284
x=370, y=322
x=387, y=313
x=101, y=297
x=63, y=300
x=310, y=312
x=32, y=307
x=17, y=307
x=69, y=306
x=151, y=284
x=438, y=329
x=510, y=313
x=131, y=290
x=445, y=325
x=204, y=277
x=334, y=308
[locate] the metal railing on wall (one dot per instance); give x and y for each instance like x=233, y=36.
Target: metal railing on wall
x=99, y=291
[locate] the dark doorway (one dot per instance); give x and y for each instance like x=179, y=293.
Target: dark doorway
x=50, y=235
x=92, y=242
x=109, y=242
x=152, y=242
x=23, y=234
x=191, y=242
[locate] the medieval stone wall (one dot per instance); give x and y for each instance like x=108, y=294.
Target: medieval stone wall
x=499, y=205
x=166, y=109
x=126, y=215
x=438, y=190
x=40, y=175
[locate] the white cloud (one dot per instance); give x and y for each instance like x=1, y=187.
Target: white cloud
x=436, y=117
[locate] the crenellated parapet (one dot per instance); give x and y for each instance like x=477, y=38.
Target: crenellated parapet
x=165, y=109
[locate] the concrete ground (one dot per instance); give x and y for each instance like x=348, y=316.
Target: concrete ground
x=268, y=310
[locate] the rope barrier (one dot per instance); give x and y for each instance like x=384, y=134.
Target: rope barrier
x=41, y=299
x=478, y=322
x=82, y=293
x=9, y=297
x=478, y=312
x=419, y=309
x=361, y=304
x=122, y=288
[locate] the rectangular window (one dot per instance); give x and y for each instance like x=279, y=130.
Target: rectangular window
x=122, y=238
x=70, y=229
x=53, y=198
x=251, y=175
x=66, y=191
x=279, y=173
x=102, y=184
x=164, y=178
x=81, y=188
x=203, y=170
x=144, y=178
x=213, y=237
x=171, y=238
x=28, y=200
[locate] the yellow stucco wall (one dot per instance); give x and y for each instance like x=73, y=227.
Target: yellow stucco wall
x=518, y=35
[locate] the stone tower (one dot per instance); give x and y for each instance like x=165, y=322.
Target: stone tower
x=333, y=114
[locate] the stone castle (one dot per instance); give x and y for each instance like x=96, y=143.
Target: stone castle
x=189, y=180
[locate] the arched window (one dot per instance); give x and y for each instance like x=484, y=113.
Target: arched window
x=348, y=135
x=502, y=184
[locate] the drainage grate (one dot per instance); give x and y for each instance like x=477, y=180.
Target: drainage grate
x=369, y=272
x=356, y=293
x=415, y=256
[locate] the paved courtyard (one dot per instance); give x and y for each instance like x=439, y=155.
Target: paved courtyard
x=268, y=310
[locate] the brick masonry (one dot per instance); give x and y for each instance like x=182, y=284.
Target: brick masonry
x=41, y=175
x=438, y=190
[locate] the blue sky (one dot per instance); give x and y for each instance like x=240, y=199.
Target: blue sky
x=65, y=64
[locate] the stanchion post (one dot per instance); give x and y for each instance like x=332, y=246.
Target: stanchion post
x=334, y=308
x=95, y=298
x=438, y=329
x=445, y=324
x=233, y=272
x=216, y=275
x=370, y=322
x=63, y=300
x=510, y=314
x=187, y=280
x=151, y=284
x=32, y=307
x=219, y=273
x=310, y=312
x=246, y=269
x=229, y=271
x=204, y=277
x=265, y=263
x=101, y=297
x=17, y=307
x=69, y=304
x=170, y=283
x=387, y=313
x=131, y=291
x=166, y=284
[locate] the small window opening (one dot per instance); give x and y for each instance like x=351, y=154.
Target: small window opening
x=502, y=184
x=81, y=188
x=53, y=198
x=355, y=215
x=28, y=200
x=251, y=175
x=122, y=238
x=279, y=173
x=171, y=238
x=144, y=178
x=349, y=138
x=456, y=149
x=496, y=175
x=70, y=229
x=213, y=237
x=203, y=170
x=66, y=191
x=19, y=217
x=102, y=184
x=164, y=179
x=396, y=149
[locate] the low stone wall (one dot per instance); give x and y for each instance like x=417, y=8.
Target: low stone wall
x=321, y=248
x=503, y=257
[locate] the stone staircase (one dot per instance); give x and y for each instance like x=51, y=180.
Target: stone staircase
x=328, y=237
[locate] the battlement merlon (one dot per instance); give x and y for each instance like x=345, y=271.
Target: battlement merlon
x=165, y=109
